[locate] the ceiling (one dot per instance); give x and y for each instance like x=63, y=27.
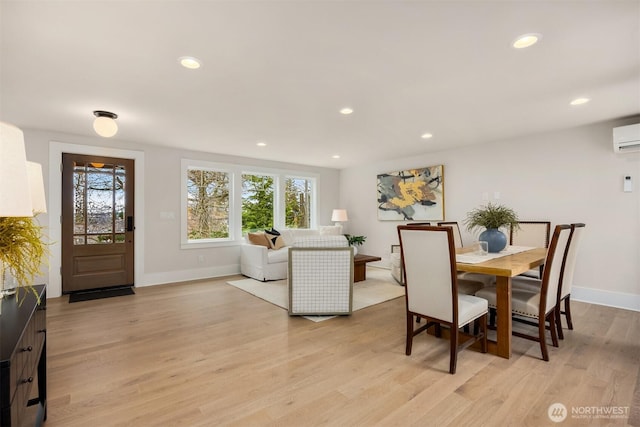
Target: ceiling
x=280, y=71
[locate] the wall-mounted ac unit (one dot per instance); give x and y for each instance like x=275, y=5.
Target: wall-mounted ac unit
x=626, y=139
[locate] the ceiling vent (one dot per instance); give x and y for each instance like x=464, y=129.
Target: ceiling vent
x=626, y=139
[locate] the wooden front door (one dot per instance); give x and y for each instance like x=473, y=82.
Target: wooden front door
x=97, y=222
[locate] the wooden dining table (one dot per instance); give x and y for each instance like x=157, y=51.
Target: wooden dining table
x=504, y=268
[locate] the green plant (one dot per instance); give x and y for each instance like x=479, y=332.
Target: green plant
x=491, y=216
x=355, y=240
x=21, y=249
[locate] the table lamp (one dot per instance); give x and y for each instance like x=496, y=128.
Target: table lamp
x=339, y=215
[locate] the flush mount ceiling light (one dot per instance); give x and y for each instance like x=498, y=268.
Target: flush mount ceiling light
x=261, y=144
x=105, y=123
x=335, y=156
x=426, y=135
x=526, y=40
x=579, y=101
x=190, y=62
x=346, y=111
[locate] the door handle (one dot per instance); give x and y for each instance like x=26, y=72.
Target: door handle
x=129, y=223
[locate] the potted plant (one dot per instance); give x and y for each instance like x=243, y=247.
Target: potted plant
x=21, y=251
x=355, y=241
x=492, y=217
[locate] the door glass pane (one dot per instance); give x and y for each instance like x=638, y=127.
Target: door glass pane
x=99, y=203
x=119, y=205
x=78, y=201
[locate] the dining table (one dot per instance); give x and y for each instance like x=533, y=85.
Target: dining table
x=510, y=263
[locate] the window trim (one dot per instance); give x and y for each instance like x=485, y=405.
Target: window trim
x=235, y=172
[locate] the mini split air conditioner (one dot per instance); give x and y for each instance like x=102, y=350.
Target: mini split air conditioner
x=626, y=139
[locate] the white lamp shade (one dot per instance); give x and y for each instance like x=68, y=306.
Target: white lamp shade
x=14, y=184
x=339, y=215
x=36, y=185
x=105, y=126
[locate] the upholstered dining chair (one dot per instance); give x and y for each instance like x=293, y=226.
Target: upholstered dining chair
x=538, y=306
x=566, y=279
x=468, y=283
x=431, y=280
x=534, y=234
x=396, y=263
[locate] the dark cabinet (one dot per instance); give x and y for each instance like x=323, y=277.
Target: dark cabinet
x=23, y=354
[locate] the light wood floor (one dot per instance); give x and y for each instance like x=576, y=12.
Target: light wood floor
x=208, y=354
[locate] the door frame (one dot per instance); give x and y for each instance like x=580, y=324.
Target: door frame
x=54, y=287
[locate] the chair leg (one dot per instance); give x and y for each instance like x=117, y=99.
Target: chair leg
x=559, y=321
x=483, y=330
x=552, y=328
x=453, y=343
x=542, y=328
x=567, y=311
x=409, y=333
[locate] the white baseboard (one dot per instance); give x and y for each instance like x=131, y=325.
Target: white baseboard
x=608, y=298
x=150, y=279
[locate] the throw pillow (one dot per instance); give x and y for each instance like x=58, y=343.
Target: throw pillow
x=259, y=239
x=275, y=240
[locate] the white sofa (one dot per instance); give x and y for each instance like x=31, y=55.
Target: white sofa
x=262, y=263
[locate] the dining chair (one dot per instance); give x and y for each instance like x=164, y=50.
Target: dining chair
x=566, y=278
x=537, y=307
x=431, y=280
x=534, y=234
x=395, y=261
x=468, y=283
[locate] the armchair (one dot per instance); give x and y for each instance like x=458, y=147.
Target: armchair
x=321, y=276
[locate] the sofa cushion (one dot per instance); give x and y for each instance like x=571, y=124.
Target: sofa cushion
x=259, y=239
x=291, y=234
x=279, y=255
x=330, y=230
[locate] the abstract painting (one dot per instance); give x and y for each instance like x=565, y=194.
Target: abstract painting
x=412, y=195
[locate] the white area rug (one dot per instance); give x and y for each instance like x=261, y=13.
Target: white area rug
x=379, y=287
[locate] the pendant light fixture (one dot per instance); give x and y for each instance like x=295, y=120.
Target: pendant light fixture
x=105, y=123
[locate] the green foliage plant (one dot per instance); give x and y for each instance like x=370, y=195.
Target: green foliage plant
x=21, y=250
x=491, y=216
x=355, y=240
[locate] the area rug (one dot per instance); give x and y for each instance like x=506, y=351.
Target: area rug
x=379, y=287
x=100, y=293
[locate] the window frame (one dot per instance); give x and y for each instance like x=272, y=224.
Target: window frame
x=235, y=172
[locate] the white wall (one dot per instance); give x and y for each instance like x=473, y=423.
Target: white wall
x=566, y=176
x=164, y=261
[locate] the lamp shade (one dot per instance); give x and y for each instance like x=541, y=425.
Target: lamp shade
x=339, y=215
x=36, y=185
x=14, y=184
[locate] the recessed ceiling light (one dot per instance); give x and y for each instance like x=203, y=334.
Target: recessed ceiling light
x=579, y=101
x=426, y=135
x=526, y=40
x=335, y=156
x=189, y=62
x=261, y=144
x=346, y=111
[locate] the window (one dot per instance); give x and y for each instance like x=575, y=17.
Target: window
x=207, y=204
x=258, y=193
x=222, y=202
x=298, y=196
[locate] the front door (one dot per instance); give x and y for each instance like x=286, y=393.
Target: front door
x=97, y=222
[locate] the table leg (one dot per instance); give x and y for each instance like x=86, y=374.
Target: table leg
x=503, y=296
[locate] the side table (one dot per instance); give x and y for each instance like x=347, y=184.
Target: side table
x=360, y=266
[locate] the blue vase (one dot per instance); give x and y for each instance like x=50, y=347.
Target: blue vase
x=496, y=239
